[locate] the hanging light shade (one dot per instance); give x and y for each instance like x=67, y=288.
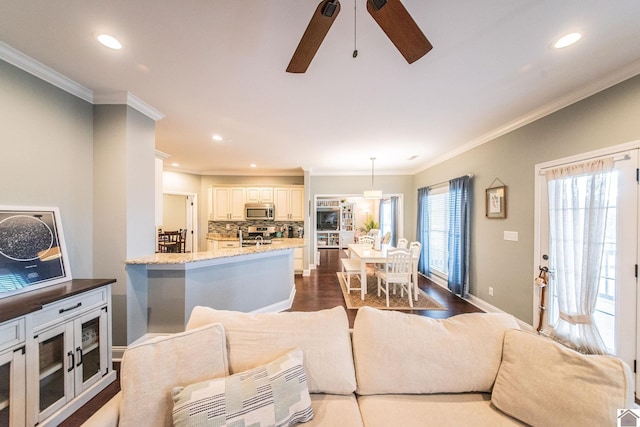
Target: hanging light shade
x=372, y=194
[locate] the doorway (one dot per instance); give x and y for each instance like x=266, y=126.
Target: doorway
x=616, y=305
x=180, y=211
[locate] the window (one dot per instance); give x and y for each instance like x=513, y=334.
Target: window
x=437, y=230
x=385, y=216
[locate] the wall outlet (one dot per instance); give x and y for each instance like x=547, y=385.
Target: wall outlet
x=490, y=291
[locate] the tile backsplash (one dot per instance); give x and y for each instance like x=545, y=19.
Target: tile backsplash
x=220, y=227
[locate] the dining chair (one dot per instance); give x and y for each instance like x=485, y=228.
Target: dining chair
x=366, y=240
x=403, y=243
x=397, y=271
x=168, y=241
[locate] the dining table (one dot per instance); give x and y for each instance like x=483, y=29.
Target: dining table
x=368, y=255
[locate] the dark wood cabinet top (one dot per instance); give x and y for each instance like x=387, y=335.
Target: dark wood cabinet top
x=30, y=301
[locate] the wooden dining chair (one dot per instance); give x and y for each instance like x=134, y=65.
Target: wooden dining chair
x=169, y=241
x=402, y=243
x=397, y=271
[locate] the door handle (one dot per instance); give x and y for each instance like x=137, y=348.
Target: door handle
x=73, y=361
x=80, y=355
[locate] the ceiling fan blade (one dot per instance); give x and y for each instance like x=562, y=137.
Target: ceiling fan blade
x=400, y=27
x=318, y=27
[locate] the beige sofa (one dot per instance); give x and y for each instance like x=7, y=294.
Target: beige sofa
x=391, y=369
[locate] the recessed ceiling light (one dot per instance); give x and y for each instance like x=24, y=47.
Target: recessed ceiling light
x=109, y=41
x=253, y=165
x=567, y=40
x=175, y=165
x=216, y=137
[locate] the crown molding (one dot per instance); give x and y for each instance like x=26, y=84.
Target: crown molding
x=38, y=69
x=41, y=71
x=620, y=75
x=127, y=98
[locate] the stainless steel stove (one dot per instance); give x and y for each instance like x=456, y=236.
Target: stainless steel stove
x=258, y=235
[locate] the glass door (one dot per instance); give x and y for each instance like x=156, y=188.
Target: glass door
x=615, y=315
x=12, y=388
x=55, y=359
x=90, y=349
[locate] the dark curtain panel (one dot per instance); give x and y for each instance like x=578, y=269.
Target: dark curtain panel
x=459, y=231
x=422, y=228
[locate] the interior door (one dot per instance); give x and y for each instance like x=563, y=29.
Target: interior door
x=617, y=313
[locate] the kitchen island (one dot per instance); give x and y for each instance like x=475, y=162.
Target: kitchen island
x=248, y=279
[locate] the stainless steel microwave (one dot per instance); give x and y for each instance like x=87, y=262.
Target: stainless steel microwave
x=259, y=211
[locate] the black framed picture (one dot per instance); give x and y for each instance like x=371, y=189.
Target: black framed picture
x=32, y=249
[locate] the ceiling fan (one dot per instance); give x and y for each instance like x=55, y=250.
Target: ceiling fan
x=390, y=15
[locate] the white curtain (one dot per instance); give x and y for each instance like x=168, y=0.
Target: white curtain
x=578, y=204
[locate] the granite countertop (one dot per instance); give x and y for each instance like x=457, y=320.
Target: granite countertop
x=182, y=258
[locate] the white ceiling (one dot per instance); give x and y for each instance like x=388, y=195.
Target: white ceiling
x=218, y=66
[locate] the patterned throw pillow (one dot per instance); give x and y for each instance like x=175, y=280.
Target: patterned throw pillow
x=275, y=394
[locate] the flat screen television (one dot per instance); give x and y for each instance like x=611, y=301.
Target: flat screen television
x=327, y=220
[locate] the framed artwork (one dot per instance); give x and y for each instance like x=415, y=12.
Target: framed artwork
x=496, y=202
x=32, y=249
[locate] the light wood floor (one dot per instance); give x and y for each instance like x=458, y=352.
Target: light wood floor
x=318, y=291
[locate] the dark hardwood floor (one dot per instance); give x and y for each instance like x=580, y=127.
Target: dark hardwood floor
x=318, y=291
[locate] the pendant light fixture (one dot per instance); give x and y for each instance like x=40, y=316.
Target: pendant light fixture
x=372, y=194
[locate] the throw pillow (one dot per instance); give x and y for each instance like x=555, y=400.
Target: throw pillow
x=257, y=338
x=542, y=383
x=275, y=394
x=150, y=370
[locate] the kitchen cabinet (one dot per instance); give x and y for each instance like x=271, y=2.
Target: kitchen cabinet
x=298, y=258
x=216, y=245
x=289, y=203
x=227, y=203
x=259, y=195
x=12, y=373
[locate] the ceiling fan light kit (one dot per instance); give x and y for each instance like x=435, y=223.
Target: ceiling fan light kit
x=390, y=15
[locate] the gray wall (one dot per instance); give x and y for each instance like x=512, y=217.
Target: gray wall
x=46, y=143
x=104, y=190
x=611, y=117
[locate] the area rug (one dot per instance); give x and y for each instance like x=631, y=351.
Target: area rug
x=371, y=298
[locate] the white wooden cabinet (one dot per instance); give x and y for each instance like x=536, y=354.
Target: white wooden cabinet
x=259, y=194
x=69, y=354
x=216, y=245
x=298, y=256
x=12, y=373
x=227, y=203
x=289, y=203
x=55, y=351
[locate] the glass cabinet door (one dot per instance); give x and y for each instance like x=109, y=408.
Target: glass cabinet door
x=91, y=349
x=5, y=389
x=55, y=359
x=12, y=388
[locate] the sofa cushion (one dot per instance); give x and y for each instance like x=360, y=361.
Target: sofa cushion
x=274, y=394
x=254, y=339
x=150, y=370
x=423, y=410
x=543, y=383
x=335, y=410
x=404, y=353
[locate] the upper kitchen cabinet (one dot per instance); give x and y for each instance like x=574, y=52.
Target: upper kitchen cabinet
x=289, y=203
x=227, y=203
x=260, y=195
